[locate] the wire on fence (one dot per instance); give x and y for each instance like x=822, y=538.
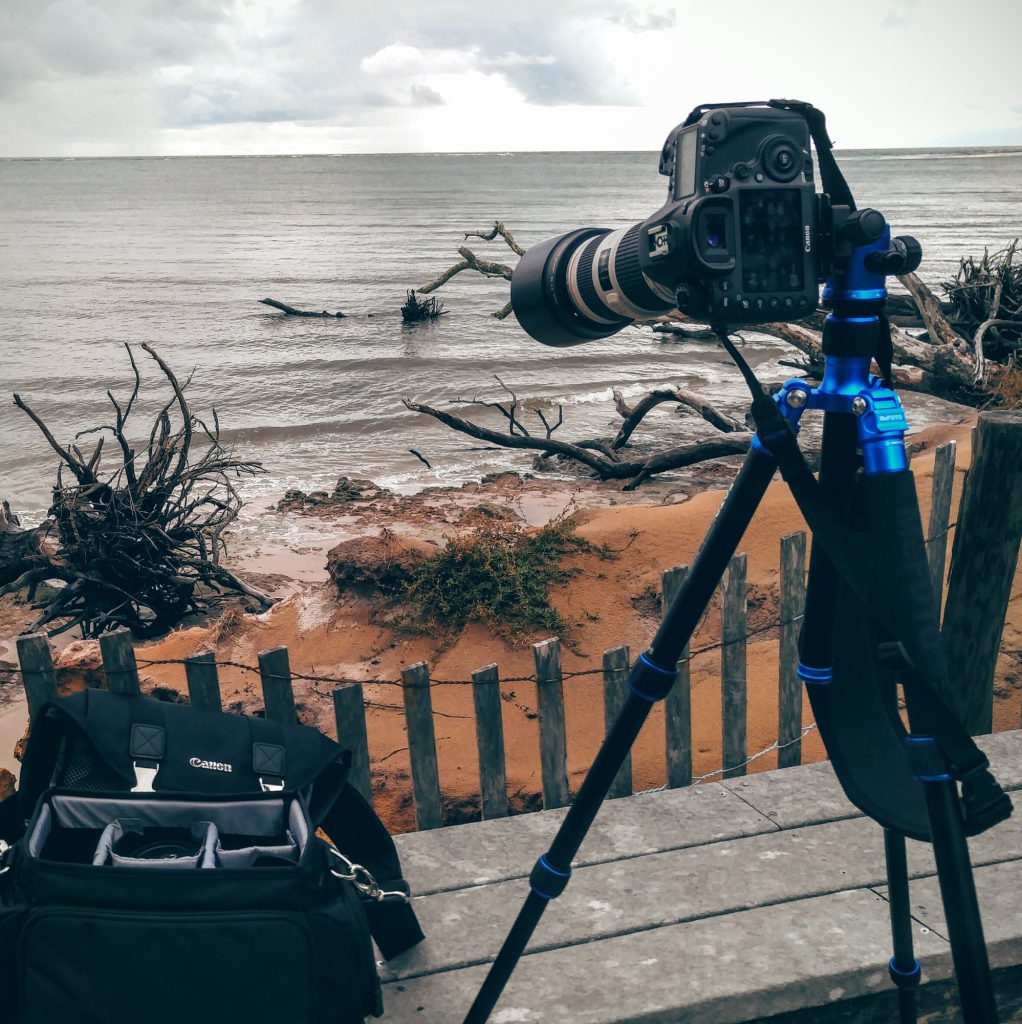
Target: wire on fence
x=349, y=680
x=776, y=745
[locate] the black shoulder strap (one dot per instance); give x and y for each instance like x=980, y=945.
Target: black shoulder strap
x=358, y=833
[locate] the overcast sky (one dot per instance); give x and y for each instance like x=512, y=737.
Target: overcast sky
x=129, y=77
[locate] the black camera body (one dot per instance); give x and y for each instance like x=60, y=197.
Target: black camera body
x=743, y=237
x=737, y=239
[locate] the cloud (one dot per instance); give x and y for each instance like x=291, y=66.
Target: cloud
x=424, y=96
x=191, y=65
x=650, y=21
x=900, y=15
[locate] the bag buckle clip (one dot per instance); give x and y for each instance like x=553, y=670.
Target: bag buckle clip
x=4, y=850
x=362, y=879
x=271, y=785
x=145, y=776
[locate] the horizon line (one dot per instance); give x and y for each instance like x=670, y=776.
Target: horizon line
x=465, y=152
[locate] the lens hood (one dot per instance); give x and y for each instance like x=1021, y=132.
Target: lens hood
x=539, y=293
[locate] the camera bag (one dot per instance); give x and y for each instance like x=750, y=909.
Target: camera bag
x=169, y=864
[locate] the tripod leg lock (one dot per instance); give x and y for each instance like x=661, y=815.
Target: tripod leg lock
x=649, y=681
x=905, y=979
x=546, y=881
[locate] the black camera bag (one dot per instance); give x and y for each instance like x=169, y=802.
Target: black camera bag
x=279, y=928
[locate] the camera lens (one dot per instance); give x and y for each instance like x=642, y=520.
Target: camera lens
x=584, y=285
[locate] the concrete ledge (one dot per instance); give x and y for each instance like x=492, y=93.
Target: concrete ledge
x=750, y=900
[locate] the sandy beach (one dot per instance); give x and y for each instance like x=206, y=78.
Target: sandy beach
x=609, y=602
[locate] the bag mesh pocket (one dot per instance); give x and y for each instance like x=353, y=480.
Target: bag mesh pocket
x=83, y=770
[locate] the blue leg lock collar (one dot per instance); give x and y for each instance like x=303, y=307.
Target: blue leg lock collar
x=905, y=979
x=546, y=881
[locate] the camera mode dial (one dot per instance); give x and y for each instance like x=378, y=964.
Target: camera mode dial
x=781, y=159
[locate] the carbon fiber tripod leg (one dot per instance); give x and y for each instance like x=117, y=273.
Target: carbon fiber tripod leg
x=903, y=966
x=650, y=680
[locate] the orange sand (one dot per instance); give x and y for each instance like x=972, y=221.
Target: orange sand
x=614, y=603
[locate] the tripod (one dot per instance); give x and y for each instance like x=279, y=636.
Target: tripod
x=870, y=622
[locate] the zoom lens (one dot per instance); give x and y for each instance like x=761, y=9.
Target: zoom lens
x=583, y=286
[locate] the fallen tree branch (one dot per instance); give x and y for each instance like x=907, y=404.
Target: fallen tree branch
x=498, y=229
x=633, y=416
x=604, y=467
x=488, y=268
x=291, y=311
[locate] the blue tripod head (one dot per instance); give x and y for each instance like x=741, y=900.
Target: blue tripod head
x=855, y=333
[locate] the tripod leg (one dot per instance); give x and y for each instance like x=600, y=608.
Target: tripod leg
x=903, y=966
x=957, y=886
x=648, y=682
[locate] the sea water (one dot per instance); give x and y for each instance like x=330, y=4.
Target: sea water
x=96, y=254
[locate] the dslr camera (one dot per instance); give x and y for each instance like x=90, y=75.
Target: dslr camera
x=743, y=237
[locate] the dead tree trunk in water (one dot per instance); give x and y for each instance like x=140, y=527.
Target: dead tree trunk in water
x=291, y=311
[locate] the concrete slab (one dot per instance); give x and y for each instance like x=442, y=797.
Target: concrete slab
x=999, y=890
x=723, y=970
x=451, y=858
x=811, y=793
x=651, y=892
x=1004, y=750
x=792, y=797
x=467, y=927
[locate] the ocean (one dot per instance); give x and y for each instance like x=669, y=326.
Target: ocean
x=177, y=252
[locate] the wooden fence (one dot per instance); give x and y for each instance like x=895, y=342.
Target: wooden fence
x=349, y=705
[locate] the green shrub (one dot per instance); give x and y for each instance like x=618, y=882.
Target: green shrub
x=500, y=576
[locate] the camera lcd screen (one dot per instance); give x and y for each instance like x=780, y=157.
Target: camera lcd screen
x=685, y=183
x=773, y=249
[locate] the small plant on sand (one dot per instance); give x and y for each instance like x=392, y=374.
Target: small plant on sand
x=500, y=576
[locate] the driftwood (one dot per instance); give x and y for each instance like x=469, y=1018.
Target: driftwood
x=938, y=369
x=986, y=301
x=601, y=459
x=488, y=268
x=19, y=549
x=291, y=311
x=633, y=415
x=141, y=546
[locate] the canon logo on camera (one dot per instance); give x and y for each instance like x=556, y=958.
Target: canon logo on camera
x=213, y=766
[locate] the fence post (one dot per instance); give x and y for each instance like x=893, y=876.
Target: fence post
x=119, y=662
x=983, y=560
x=553, y=748
x=203, y=682
x=422, y=746
x=789, y=685
x=37, y=675
x=278, y=692
x=732, y=669
x=678, y=703
x=940, y=516
x=615, y=692
x=490, y=741
x=350, y=718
